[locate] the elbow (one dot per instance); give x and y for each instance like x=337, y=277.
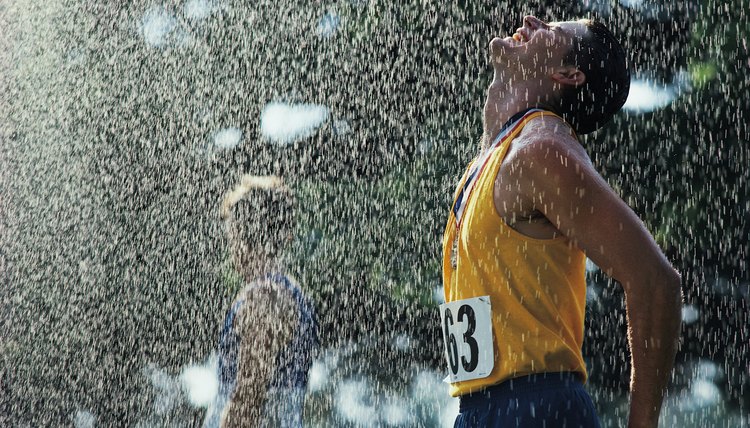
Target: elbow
x=662, y=285
x=667, y=292
x=671, y=298
x=673, y=284
x=667, y=283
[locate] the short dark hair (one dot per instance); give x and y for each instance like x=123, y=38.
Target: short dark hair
x=601, y=58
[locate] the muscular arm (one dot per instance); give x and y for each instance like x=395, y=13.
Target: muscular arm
x=266, y=324
x=555, y=177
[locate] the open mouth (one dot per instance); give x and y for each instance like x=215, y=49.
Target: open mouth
x=520, y=37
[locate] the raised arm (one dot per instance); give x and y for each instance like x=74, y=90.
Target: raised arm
x=266, y=324
x=556, y=177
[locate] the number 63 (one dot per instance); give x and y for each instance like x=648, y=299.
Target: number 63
x=470, y=364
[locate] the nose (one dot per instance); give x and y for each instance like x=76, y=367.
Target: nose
x=534, y=22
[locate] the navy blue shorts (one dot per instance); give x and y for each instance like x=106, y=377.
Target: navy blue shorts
x=544, y=400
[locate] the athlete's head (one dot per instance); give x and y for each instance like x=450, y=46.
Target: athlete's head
x=259, y=219
x=578, y=65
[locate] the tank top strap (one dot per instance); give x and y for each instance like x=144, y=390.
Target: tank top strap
x=508, y=132
x=294, y=361
x=229, y=345
x=230, y=316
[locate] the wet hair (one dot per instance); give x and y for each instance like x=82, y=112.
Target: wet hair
x=259, y=216
x=602, y=59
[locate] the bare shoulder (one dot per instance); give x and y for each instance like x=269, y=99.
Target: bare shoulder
x=545, y=144
x=545, y=136
x=536, y=162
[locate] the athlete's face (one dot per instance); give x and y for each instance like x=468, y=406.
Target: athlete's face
x=536, y=47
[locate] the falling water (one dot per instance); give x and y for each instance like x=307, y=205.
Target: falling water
x=122, y=124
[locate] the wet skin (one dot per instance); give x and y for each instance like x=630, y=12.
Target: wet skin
x=547, y=187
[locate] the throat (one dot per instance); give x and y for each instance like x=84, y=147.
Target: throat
x=491, y=136
x=499, y=110
x=503, y=102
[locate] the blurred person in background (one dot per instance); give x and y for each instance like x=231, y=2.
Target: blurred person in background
x=270, y=332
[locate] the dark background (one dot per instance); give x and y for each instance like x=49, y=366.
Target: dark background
x=112, y=253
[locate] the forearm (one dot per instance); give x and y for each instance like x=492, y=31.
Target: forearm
x=245, y=409
x=255, y=371
x=265, y=328
x=654, y=313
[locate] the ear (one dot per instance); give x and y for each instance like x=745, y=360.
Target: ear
x=569, y=76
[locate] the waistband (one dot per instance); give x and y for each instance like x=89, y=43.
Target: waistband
x=520, y=385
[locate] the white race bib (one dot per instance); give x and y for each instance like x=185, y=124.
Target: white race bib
x=467, y=332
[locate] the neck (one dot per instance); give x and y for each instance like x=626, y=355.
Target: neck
x=259, y=268
x=503, y=101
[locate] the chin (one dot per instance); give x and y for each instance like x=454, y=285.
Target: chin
x=499, y=48
x=496, y=48
x=497, y=45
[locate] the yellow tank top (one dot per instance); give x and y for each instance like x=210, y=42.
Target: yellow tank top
x=537, y=287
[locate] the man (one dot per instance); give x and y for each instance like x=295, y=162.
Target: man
x=527, y=213
x=270, y=332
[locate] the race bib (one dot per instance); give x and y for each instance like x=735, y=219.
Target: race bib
x=467, y=331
